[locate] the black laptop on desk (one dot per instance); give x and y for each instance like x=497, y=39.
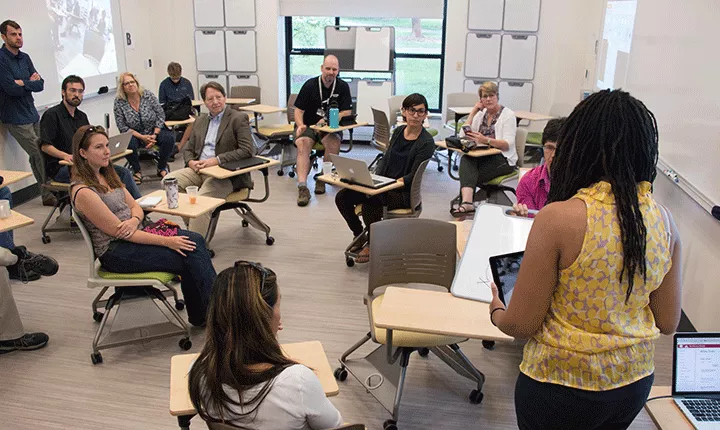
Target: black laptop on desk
x=244, y=163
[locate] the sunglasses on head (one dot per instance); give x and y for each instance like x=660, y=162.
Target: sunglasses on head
x=92, y=129
x=259, y=267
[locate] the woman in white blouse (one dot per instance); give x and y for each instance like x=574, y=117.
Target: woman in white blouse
x=493, y=125
x=242, y=377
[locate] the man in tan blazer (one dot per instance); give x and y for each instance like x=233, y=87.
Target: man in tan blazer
x=220, y=137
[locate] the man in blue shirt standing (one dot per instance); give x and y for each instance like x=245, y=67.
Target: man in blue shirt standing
x=18, y=80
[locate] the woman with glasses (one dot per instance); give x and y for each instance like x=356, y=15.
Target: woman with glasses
x=113, y=218
x=241, y=376
x=410, y=145
x=493, y=125
x=138, y=110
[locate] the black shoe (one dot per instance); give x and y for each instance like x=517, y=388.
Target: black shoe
x=18, y=271
x=49, y=200
x=38, y=263
x=27, y=342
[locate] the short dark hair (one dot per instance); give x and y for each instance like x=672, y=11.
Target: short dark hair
x=551, y=133
x=8, y=23
x=174, y=69
x=214, y=85
x=414, y=99
x=72, y=79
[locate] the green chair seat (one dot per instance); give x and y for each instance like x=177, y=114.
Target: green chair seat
x=433, y=132
x=163, y=277
x=500, y=179
x=534, y=138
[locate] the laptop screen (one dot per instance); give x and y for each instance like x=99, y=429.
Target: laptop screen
x=696, y=363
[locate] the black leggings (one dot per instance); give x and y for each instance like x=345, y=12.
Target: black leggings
x=372, y=207
x=542, y=405
x=475, y=171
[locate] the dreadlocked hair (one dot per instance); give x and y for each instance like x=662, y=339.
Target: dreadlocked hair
x=613, y=137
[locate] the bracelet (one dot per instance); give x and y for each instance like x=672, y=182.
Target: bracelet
x=491, y=315
x=138, y=218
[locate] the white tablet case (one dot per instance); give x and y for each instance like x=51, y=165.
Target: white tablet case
x=482, y=55
x=493, y=233
x=518, y=57
x=522, y=15
x=240, y=50
x=240, y=13
x=220, y=78
x=371, y=93
x=516, y=95
x=210, y=50
x=208, y=13
x=485, y=14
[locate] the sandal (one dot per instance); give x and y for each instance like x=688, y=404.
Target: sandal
x=137, y=177
x=162, y=173
x=462, y=210
x=363, y=256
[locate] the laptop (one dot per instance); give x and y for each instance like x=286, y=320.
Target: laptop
x=696, y=378
x=244, y=163
x=356, y=172
x=119, y=143
x=505, y=269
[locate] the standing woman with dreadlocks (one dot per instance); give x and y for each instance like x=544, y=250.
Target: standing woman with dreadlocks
x=601, y=275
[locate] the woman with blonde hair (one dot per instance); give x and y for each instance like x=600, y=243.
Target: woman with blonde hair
x=138, y=110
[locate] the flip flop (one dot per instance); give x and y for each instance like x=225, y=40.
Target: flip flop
x=462, y=211
x=363, y=258
x=137, y=177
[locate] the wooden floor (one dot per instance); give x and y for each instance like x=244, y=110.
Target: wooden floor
x=57, y=387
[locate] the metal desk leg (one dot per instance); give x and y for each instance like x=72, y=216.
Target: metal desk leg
x=450, y=165
x=184, y=421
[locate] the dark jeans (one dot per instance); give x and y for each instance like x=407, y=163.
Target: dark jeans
x=165, y=142
x=196, y=270
x=541, y=405
x=63, y=175
x=372, y=207
x=479, y=170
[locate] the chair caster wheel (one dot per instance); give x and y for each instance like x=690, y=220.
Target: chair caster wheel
x=96, y=358
x=97, y=316
x=291, y=174
x=280, y=173
x=476, y=397
x=440, y=168
x=185, y=343
x=245, y=223
x=488, y=344
x=350, y=262
x=423, y=352
x=390, y=425
x=340, y=374
x=180, y=304
x=212, y=253
x=269, y=241
x=46, y=239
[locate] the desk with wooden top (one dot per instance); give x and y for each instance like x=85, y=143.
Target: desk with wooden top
x=531, y=116
x=340, y=129
x=229, y=101
x=310, y=354
x=462, y=232
x=203, y=205
x=333, y=179
x=172, y=124
x=117, y=156
x=15, y=220
x=218, y=172
x=13, y=176
x=664, y=412
x=459, y=112
x=473, y=153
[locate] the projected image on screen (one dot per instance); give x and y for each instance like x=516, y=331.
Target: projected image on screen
x=83, y=38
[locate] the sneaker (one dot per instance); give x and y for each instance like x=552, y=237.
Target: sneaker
x=303, y=196
x=28, y=342
x=319, y=187
x=17, y=271
x=38, y=263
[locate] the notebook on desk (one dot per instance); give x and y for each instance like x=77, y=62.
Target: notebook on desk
x=696, y=378
x=243, y=164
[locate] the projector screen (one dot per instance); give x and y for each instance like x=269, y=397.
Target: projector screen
x=70, y=37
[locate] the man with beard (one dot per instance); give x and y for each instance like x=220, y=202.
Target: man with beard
x=57, y=127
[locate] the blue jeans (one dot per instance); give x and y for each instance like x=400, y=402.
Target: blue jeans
x=196, y=270
x=6, y=238
x=165, y=142
x=63, y=175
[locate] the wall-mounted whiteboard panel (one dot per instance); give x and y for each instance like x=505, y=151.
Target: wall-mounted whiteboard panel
x=204, y=78
x=518, y=57
x=473, y=85
x=485, y=14
x=240, y=13
x=371, y=94
x=240, y=51
x=210, y=51
x=208, y=13
x=522, y=15
x=482, y=55
x=516, y=95
x=238, y=80
x=373, y=48
x=340, y=42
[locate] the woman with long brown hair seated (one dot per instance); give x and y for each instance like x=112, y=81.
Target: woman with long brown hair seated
x=112, y=217
x=242, y=377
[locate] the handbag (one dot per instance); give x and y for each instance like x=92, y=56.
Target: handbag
x=162, y=227
x=178, y=110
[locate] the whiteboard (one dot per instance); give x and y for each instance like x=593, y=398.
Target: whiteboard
x=240, y=51
x=482, y=55
x=676, y=75
x=340, y=42
x=473, y=85
x=210, y=50
x=521, y=15
x=518, y=56
x=208, y=13
x=516, y=95
x=240, y=13
x=485, y=14
x=373, y=48
x=493, y=233
x=371, y=94
x=238, y=80
x=204, y=78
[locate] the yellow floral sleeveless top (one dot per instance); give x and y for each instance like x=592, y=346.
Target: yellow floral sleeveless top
x=591, y=339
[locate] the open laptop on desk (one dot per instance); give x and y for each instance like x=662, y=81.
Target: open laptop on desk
x=696, y=378
x=119, y=143
x=356, y=172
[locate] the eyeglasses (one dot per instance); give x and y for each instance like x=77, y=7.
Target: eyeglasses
x=487, y=96
x=415, y=112
x=549, y=148
x=75, y=90
x=128, y=83
x=259, y=267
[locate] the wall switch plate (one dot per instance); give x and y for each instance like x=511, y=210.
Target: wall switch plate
x=458, y=66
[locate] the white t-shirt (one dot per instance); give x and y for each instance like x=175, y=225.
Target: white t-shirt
x=505, y=129
x=296, y=400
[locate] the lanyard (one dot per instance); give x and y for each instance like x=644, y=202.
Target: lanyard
x=320, y=87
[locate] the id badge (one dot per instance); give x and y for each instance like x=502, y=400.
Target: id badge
x=320, y=112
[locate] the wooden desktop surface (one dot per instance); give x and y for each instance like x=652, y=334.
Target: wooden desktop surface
x=461, y=110
x=12, y=176
x=436, y=312
x=262, y=109
x=532, y=116
x=171, y=124
x=327, y=129
x=311, y=354
x=664, y=412
x=473, y=153
x=462, y=232
x=15, y=220
x=218, y=172
x=112, y=157
x=335, y=180
x=185, y=209
x=230, y=101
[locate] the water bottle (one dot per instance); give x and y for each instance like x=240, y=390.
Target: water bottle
x=334, y=120
x=171, y=192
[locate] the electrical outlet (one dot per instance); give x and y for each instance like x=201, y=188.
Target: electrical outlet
x=458, y=66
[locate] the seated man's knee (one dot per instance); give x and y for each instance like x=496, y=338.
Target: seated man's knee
x=304, y=146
